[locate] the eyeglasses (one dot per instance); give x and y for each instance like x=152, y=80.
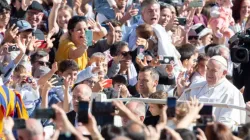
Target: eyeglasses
x=125, y=54
x=91, y=82
x=43, y=63
x=193, y=37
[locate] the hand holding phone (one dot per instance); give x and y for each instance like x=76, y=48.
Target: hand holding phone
x=182, y=21
x=83, y=109
x=171, y=102
x=48, y=113
x=43, y=44
x=107, y=83
x=89, y=37
x=166, y=59
x=196, y=3
x=13, y=48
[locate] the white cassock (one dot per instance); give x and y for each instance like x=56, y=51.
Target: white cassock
x=223, y=92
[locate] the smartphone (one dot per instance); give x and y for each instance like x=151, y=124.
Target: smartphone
x=108, y=83
x=140, y=50
x=206, y=110
x=166, y=59
x=195, y=129
x=182, y=21
x=13, y=48
x=83, y=108
x=19, y=124
x=106, y=26
x=196, y=3
x=89, y=37
x=171, y=102
x=103, y=108
x=47, y=113
x=43, y=44
x=60, y=80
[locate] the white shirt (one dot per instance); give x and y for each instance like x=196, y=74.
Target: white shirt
x=223, y=92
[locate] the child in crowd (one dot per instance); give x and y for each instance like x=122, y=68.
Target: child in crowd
x=119, y=84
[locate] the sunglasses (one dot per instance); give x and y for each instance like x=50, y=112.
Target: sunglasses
x=126, y=53
x=193, y=37
x=43, y=63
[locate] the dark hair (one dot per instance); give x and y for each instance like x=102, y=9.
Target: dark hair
x=236, y=10
x=4, y=6
x=37, y=55
x=110, y=131
x=186, y=134
x=116, y=47
x=208, y=46
x=218, y=131
x=73, y=21
x=114, y=22
x=164, y=5
x=134, y=135
x=186, y=51
x=159, y=95
x=119, y=79
x=244, y=131
x=68, y=64
x=153, y=72
x=144, y=31
x=206, y=11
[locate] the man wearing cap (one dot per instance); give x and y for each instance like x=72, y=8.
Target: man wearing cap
x=200, y=36
x=34, y=16
x=217, y=89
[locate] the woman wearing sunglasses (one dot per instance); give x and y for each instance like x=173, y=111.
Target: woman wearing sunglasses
x=123, y=61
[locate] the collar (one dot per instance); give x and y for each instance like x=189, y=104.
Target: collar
x=215, y=85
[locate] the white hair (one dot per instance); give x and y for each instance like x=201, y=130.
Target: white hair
x=140, y=108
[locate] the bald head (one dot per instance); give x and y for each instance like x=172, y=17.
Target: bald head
x=33, y=130
x=81, y=92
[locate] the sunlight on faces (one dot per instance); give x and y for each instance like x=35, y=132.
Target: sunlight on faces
x=63, y=18
x=72, y=74
x=154, y=109
x=118, y=34
x=34, y=17
x=207, y=39
x=91, y=82
x=4, y=18
x=78, y=33
x=215, y=72
x=102, y=63
x=245, y=9
x=126, y=61
x=151, y=14
x=146, y=83
x=202, y=67
x=25, y=36
x=78, y=95
x=165, y=16
x=190, y=63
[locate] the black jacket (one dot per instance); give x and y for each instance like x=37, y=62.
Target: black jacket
x=241, y=77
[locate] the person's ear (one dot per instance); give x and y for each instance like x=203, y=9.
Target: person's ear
x=156, y=83
x=224, y=72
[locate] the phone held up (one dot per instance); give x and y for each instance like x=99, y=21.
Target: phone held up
x=171, y=102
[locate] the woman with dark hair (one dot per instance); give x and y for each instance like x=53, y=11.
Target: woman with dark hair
x=241, y=11
x=74, y=45
x=123, y=61
x=218, y=131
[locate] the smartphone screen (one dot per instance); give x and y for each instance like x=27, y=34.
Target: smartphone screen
x=166, y=59
x=47, y=113
x=171, y=102
x=89, y=37
x=19, y=124
x=182, y=21
x=83, y=108
x=202, y=127
x=206, y=110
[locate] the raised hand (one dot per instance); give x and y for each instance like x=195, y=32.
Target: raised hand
x=57, y=1
x=50, y=40
x=98, y=31
x=54, y=67
x=26, y=4
x=118, y=58
x=20, y=44
x=11, y=33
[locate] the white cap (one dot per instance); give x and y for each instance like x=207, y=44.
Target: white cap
x=220, y=59
x=199, y=30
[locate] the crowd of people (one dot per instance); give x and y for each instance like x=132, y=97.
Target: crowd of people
x=76, y=69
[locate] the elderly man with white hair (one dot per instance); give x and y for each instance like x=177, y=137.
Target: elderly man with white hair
x=217, y=89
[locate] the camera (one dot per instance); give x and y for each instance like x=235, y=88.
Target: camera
x=239, y=47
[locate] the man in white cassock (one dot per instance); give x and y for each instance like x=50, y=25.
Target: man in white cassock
x=217, y=89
